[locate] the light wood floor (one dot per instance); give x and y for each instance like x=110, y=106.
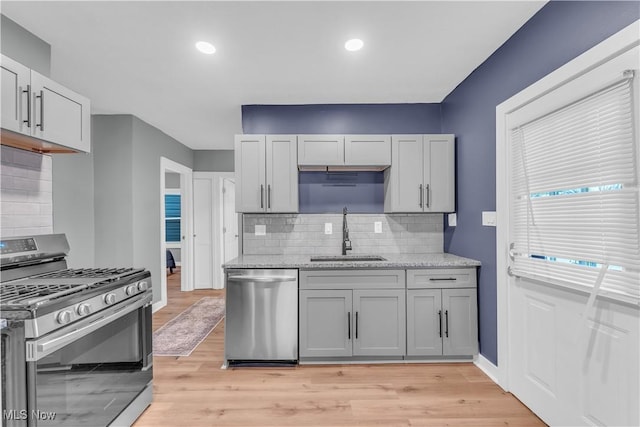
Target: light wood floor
x=194, y=391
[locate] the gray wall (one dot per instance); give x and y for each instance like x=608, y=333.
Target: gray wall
x=213, y=161
x=149, y=144
x=73, y=205
x=24, y=47
x=113, y=192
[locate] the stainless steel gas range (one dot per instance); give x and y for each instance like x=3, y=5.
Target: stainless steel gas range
x=76, y=343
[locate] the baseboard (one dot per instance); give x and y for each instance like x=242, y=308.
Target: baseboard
x=158, y=305
x=488, y=368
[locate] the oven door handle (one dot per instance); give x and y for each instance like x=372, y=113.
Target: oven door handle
x=40, y=348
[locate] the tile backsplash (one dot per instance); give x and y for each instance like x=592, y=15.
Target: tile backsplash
x=305, y=234
x=26, y=193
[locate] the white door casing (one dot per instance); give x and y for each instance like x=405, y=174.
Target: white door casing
x=569, y=364
x=186, y=225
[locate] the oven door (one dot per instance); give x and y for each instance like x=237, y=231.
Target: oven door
x=89, y=372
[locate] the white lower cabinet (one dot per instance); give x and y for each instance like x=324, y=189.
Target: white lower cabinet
x=369, y=314
x=340, y=317
x=442, y=313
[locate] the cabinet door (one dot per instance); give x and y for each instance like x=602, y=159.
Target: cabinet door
x=60, y=115
x=282, y=173
x=367, y=150
x=404, y=186
x=250, y=173
x=425, y=320
x=439, y=173
x=325, y=323
x=379, y=322
x=460, y=322
x=320, y=150
x=15, y=96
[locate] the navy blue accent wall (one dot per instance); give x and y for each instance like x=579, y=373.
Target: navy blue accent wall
x=341, y=118
x=329, y=192
x=559, y=32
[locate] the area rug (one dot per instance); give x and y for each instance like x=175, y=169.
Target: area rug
x=182, y=334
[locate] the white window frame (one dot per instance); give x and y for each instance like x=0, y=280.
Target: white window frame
x=617, y=44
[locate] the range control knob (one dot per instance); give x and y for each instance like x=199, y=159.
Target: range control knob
x=64, y=317
x=83, y=309
x=143, y=286
x=131, y=289
x=109, y=299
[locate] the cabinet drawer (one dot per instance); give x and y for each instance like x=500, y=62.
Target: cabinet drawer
x=352, y=279
x=444, y=278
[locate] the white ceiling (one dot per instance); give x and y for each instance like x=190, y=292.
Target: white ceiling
x=139, y=57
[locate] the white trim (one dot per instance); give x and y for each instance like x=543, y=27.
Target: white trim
x=615, y=45
x=488, y=368
x=186, y=185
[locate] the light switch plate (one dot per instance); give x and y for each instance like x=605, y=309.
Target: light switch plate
x=452, y=219
x=261, y=230
x=328, y=228
x=489, y=218
x=377, y=226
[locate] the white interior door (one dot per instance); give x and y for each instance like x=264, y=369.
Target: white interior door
x=570, y=356
x=203, y=232
x=230, y=219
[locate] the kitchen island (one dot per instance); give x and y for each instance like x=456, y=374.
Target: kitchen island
x=406, y=307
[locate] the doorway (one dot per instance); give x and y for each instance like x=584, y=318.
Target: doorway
x=181, y=180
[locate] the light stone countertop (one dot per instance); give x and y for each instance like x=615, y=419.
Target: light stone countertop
x=400, y=261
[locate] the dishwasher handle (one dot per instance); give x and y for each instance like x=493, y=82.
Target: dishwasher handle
x=262, y=279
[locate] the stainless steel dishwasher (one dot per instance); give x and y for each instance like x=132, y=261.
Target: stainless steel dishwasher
x=261, y=325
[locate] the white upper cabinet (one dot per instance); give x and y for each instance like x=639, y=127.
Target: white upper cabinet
x=35, y=106
x=61, y=115
x=16, y=88
x=422, y=174
x=320, y=150
x=367, y=150
x=266, y=173
x=364, y=152
x=282, y=173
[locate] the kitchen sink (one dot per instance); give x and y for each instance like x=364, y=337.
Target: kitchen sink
x=347, y=258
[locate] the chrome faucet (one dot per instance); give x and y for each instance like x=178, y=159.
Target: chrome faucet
x=346, y=243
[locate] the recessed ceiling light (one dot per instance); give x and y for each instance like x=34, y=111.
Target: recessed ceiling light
x=353, y=45
x=205, y=47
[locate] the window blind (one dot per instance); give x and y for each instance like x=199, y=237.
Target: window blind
x=172, y=217
x=574, y=195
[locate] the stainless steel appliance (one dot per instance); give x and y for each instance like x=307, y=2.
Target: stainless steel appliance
x=261, y=323
x=76, y=343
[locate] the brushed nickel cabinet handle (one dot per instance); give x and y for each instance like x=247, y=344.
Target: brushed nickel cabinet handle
x=269, y=196
x=446, y=316
x=41, y=125
x=261, y=196
x=420, y=204
x=428, y=194
x=28, y=92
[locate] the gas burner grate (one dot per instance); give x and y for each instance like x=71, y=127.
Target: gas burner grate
x=29, y=293
x=89, y=273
